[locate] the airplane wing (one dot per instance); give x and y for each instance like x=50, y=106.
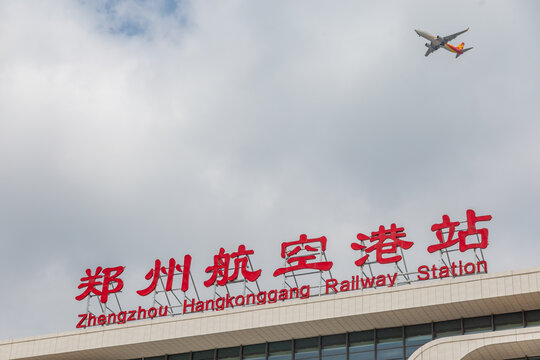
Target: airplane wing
x=453, y=36
x=429, y=51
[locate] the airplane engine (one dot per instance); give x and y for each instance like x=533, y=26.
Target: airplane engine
x=428, y=44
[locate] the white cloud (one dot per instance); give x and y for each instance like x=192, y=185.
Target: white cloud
x=128, y=133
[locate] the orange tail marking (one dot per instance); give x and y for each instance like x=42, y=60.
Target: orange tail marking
x=460, y=46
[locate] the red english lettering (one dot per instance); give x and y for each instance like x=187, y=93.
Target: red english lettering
x=80, y=323
x=483, y=262
x=272, y=296
x=367, y=282
x=238, y=298
x=304, y=292
x=469, y=270
x=433, y=269
x=189, y=305
x=424, y=270
x=331, y=284
x=228, y=301
x=164, y=310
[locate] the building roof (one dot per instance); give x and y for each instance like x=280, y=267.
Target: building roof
x=420, y=302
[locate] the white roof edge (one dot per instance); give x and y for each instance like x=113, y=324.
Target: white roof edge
x=420, y=302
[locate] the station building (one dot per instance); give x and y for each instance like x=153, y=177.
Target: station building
x=486, y=316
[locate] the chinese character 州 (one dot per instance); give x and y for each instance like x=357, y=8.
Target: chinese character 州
x=472, y=219
x=386, y=242
x=221, y=267
x=154, y=274
x=91, y=283
x=292, y=248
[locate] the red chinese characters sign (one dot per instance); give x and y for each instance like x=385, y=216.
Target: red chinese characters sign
x=154, y=275
x=386, y=243
x=299, y=255
x=383, y=246
x=101, y=283
x=450, y=226
x=220, y=271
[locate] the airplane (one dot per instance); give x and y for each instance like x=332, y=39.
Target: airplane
x=437, y=42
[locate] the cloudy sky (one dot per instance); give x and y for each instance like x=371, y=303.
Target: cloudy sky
x=139, y=130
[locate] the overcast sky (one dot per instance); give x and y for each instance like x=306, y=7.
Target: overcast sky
x=139, y=130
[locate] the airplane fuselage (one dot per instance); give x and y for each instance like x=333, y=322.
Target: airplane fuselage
x=453, y=49
x=436, y=41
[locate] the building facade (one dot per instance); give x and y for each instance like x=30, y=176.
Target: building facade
x=489, y=316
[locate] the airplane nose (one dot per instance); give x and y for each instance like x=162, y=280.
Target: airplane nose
x=417, y=31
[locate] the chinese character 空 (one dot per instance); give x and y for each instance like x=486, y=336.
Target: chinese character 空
x=154, y=274
x=92, y=283
x=386, y=242
x=472, y=219
x=292, y=248
x=221, y=267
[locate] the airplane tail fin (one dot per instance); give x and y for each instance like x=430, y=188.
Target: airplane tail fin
x=460, y=46
x=462, y=52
